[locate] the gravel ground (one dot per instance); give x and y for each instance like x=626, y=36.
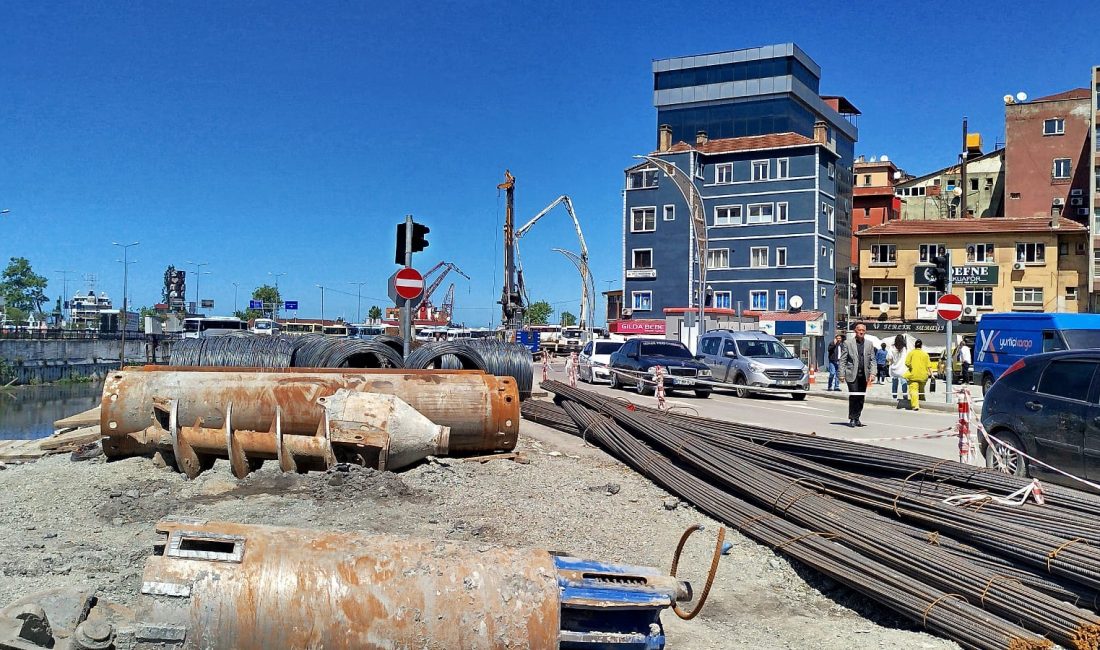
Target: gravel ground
x=91, y=523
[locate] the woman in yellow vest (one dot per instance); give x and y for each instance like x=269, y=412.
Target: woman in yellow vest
x=919, y=366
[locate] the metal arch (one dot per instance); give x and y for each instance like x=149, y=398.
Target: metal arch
x=522, y=230
x=588, y=286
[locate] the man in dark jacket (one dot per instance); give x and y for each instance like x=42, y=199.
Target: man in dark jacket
x=857, y=362
x=834, y=358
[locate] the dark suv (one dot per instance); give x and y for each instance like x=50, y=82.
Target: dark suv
x=1047, y=405
x=638, y=359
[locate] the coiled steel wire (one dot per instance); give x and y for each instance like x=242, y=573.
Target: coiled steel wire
x=430, y=355
x=360, y=353
x=507, y=360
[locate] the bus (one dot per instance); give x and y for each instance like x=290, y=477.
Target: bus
x=362, y=331
x=338, y=329
x=197, y=327
x=297, y=329
x=265, y=327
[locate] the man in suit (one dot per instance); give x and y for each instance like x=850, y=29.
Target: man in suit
x=857, y=365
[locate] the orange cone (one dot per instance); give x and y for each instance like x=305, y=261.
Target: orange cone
x=813, y=371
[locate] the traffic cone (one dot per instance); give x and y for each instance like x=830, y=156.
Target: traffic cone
x=813, y=371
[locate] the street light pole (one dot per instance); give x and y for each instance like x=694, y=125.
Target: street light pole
x=235, y=297
x=278, y=296
x=65, y=291
x=322, y=306
x=198, y=271
x=125, y=306
x=358, y=300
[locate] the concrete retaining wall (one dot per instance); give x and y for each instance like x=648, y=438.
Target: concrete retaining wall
x=45, y=373
x=14, y=351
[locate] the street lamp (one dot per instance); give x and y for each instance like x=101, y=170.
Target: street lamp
x=198, y=271
x=235, y=298
x=278, y=296
x=358, y=300
x=65, y=291
x=125, y=290
x=322, y=306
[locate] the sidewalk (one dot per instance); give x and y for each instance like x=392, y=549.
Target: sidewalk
x=879, y=394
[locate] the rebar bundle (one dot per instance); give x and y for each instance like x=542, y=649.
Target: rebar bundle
x=901, y=545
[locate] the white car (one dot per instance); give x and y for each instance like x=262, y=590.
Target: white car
x=594, y=359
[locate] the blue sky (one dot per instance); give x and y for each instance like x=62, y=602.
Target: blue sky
x=267, y=137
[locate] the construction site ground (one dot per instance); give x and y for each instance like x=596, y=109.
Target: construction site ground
x=90, y=523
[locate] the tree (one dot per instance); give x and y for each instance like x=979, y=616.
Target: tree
x=374, y=313
x=22, y=288
x=568, y=319
x=539, y=313
x=266, y=294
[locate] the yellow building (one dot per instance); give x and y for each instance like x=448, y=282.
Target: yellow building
x=998, y=265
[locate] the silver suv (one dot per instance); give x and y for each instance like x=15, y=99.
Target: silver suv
x=747, y=359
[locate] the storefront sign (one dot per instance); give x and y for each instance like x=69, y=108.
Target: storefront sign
x=641, y=274
x=639, y=326
x=915, y=327
x=969, y=275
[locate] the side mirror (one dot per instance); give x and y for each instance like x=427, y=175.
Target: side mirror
x=731, y=354
x=700, y=357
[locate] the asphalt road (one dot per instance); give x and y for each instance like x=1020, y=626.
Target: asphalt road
x=818, y=415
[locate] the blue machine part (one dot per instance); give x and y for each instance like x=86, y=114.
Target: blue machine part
x=607, y=606
x=528, y=338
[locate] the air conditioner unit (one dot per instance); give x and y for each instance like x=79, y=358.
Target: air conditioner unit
x=1018, y=266
x=1058, y=201
x=1076, y=192
x=1076, y=201
x=969, y=311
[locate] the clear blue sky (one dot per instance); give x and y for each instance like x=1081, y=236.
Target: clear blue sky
x=291, y=137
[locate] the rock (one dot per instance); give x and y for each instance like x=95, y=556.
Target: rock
x=336, y=480
x=50, y=535
x=554, y=453
x=613, y=488
x=671, y=503
x=115, y=494
x=132, y=494
x=3, y=465
x=433, y=520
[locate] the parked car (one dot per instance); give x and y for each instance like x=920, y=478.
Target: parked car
x=639, y=358
x=746, y=359
x=1004, y=339
x=594, y=358
x=1047, y=406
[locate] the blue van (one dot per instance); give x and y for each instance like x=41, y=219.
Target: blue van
x=1003, y=339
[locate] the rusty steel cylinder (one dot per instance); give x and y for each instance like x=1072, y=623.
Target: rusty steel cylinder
x=481, y=410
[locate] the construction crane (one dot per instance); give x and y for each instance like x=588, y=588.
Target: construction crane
x=448, y=306
x=586, y=298
x=447, y=268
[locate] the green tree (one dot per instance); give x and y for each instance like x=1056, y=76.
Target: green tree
x=539, y=313
x=374, y=313
x=266, y=294
x=568, y=319
x=22, y=288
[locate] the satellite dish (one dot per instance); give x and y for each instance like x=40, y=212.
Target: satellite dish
x=1009, y=100
x=873, y=159
x=883, y=158
x=884, y=307
x=1021, y=96
x=897, y=176
x=795, y=302
x=957, y=191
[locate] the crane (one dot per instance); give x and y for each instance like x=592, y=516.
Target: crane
x=448, y=306
x=583, y=261
x=447, y=268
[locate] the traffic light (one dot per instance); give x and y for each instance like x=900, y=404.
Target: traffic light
x=941, y=273
x=419, y=243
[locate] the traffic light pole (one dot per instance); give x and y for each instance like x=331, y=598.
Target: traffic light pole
x=406, y=309
x=950, y=339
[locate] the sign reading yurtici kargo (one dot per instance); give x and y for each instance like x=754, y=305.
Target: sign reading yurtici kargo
x=969, y=275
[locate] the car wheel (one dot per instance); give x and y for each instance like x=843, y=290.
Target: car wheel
x=702, y=393
x=643, y=388
x=1003, y=459
x=987, y=383
x=798, y=397
x=614, y=380
x=739, y=386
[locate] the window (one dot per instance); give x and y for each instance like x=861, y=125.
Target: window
x=781, y=212
x=783, y=168
x=641, y=179
x=758, y=256
x=781, y=299
x=723, y=299
x=979, y=253
x=1063, y=248
x=974, y=184
x=1071, y=293
x=1054, y=126
x=832, y=218
x=718, y=258
x=1031, y=253
x=824, y=251
x=1061, y=168
x=927, y=296
x=643, y=258
x=927, y=252
x=1067, y=379
x=989, y=185
x=884, y=295
x=824, y=292
x=832, y=170
x=758, y=299
x=670, y=213
x=723, y=173
x=1080, y=248
x=950, y=184
x=884, y=254
x=761, y=213
x=824, y=208
x=781, y=257
x=760, y=170
x=641, y=300
x=1013, y=195
x=830, y=259
x=867, y=179
x=727, y=215
x=1032, y=296
x=643, y=219
x=979, y=297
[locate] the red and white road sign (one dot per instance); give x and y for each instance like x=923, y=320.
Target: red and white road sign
x=408, y=283
x=949, y=306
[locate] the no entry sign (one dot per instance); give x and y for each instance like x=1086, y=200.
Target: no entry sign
x=408, y=283
x=949, y=307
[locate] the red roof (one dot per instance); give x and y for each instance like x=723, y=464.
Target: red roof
x=877, y=190
x=965, y=226
x=787, y=315
x=1076, y=93
x=747, y=143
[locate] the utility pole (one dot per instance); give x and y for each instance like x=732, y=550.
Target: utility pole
x=198, y=272
x=278, y=296
x=962, y=175
x=235, y=297
x=947, y=349
x=358, y=300
x=322, y=305
x=125, y=307
x=65, y=291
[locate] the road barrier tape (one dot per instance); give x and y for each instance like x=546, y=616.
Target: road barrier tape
x=994, y=441
x=942, y=433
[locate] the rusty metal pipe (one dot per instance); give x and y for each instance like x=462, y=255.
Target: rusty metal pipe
x=481, y=410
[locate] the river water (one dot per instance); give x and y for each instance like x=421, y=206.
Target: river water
x=30, y=411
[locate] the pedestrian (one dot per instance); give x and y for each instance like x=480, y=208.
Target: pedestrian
x=834, y=358
x=963, y=356
x=919, y=366
x=857, y=362
x=896, y=361
x=880, y=361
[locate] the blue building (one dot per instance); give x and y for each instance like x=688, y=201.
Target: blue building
x=772, y=160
